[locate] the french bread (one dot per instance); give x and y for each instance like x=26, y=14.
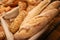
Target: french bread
x=18, y=20
x=38, y=22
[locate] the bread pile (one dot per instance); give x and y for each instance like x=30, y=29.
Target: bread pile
x=27, y=19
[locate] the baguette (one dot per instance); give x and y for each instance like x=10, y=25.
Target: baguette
x=53, y=5
x=18, y=20
x=37, y=10
x=38, y=22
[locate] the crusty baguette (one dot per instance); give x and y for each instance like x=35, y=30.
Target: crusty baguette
x=18, y=20
x=38, y=22
x=53, y=5
x=37, y=10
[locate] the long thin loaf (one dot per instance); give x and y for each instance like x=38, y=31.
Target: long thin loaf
x=18, y=20
x=38, y=22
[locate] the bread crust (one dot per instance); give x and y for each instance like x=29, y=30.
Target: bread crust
x=29, y=29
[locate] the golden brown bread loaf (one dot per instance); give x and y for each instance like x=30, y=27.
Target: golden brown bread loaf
x=38, y=22
x=18, y=20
